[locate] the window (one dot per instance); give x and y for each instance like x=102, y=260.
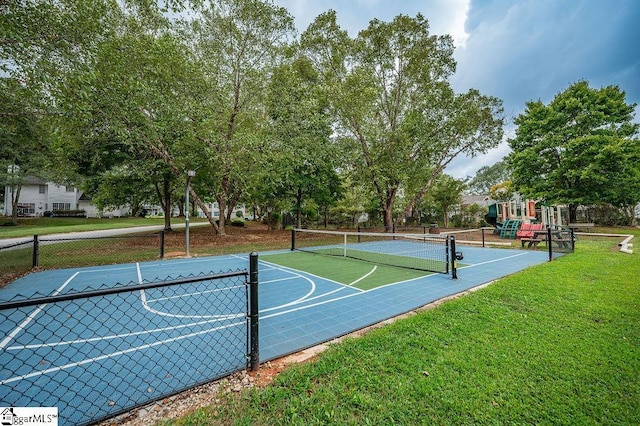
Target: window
x=42, y=189
x=69, y=189
x=26, y=209
x=61, y=206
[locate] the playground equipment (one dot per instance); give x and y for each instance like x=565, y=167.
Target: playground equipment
x=508, y=216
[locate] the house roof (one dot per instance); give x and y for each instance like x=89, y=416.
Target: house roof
x=481, y=200
x=32, y=180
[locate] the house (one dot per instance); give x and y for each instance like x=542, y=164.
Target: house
x=38, y=196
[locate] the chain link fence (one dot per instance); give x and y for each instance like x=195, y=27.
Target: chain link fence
x=15, y=260
x=57, y=251
x=100, y=353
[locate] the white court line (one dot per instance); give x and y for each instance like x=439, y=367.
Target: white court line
x=114, y=354
x=197, y=293
x=295, y=271
x=494, y=260
x=110, y=337
x=145, y=305
x=33, y=314
x=364, y=276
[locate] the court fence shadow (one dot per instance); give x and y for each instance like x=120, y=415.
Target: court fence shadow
x=96, y=354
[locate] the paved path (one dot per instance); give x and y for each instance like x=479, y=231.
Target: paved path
x=4, y=242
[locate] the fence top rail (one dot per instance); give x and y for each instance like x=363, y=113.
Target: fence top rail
x=371, y=234
x=62, y=238
x=21, y=243
x=116, y=290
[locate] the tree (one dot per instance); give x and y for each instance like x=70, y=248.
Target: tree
x=488, y=176
x=238, y=44
x=399, y=120
x=127, y=107
x=580, y=149
x=24, y=149
x=445, y=194
x=302, y=154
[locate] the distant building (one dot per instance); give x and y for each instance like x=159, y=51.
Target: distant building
x=38, y=196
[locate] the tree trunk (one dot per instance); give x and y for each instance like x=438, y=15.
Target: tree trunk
x=573, y=209
x=181, y=207
x=222, y=205
x=15, y=192
x=164, y=196
x=298, y=208
x=204, y=209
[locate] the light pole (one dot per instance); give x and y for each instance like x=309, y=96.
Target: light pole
x=190, y=174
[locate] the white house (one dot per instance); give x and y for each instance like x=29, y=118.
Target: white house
x=38, y=196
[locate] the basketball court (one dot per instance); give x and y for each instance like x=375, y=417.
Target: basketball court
x=297, y=309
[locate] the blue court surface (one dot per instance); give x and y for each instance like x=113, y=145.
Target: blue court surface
x=297, y=311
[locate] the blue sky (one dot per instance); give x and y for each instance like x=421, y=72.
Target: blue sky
x=516, y=50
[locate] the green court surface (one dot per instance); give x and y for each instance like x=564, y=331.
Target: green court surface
x=358, y=274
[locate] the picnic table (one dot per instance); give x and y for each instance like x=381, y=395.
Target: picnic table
x=542, y=235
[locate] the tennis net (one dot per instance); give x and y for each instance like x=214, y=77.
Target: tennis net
x=415, y=251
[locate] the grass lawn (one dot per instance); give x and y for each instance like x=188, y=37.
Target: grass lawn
x=558, y=343
x=54, y=225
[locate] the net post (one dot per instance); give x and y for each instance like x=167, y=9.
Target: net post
x=36, y=252
x=254, y=355
x=293, y=239
x=454, y=268
x=549, y=245
x=482, y=236
x=344, y=250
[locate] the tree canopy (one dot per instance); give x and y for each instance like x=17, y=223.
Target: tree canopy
x=139, y=91
x=580, y=149
x=398, y=119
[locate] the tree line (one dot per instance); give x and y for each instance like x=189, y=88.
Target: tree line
x=122, y=98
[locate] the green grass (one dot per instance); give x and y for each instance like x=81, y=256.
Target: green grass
x=347, y=271
x=44, y=225
x=558, y=343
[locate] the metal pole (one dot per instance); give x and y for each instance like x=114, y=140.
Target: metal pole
x=36, y=252
x=254, y=355
x=454, y=260
x=549, y=246
x=186, y=215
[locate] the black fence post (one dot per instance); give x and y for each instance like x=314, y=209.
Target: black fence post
x=293, y=239
x=482, y=229
x=253, y=312
x=549, y=245
x=36, y=252
x=454, y=260
x=573, y=240
x=162, y=244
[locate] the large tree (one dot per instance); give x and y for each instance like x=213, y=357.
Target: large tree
x=24, y=148
x=238, y=44
x=399, y=120
x=302, y=154
x=488, y=176
x=580, y=149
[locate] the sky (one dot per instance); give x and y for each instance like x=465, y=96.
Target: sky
x=516, y=50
